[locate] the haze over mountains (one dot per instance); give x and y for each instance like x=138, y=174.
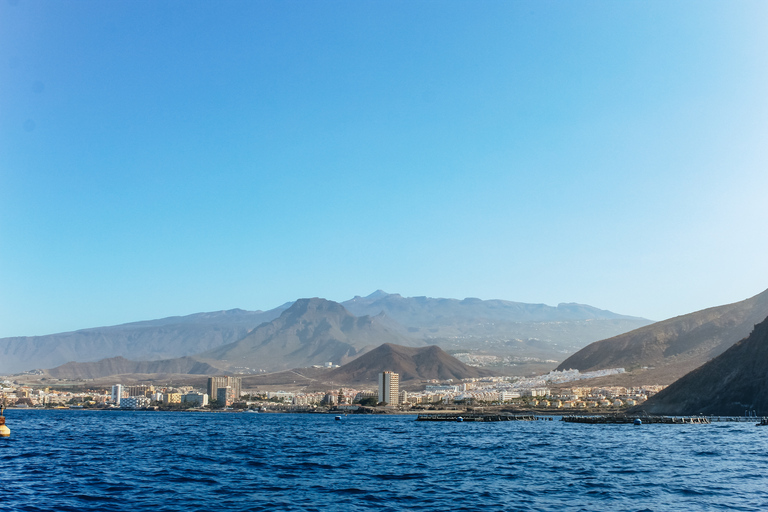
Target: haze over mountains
x=165, y=338
x=497, y=326
x=674, y=347
x=311, y=333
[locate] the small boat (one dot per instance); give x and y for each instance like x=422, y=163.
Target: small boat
x=459, y=419
x=338, y=418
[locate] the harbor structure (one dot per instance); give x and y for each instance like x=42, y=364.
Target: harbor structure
x=389, y=388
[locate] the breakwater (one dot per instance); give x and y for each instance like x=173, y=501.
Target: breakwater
x=619, y=419
x=475, y=417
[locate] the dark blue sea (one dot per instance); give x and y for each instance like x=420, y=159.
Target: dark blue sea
x=135, y=461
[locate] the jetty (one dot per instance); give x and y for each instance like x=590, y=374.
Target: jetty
x=645, y=420
x=738, y=419
x=475, y=416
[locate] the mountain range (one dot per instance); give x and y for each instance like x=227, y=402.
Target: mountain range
x=165, y=338
x=494, y=326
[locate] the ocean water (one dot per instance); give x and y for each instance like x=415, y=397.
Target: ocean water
x=156, y=461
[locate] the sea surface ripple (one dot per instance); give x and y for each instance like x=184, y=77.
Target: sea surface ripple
x=135, y=461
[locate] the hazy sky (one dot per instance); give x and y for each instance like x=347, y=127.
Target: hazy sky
x=163, y=158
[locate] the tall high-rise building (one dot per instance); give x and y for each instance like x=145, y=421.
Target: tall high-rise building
x=216, y=383
x=389, y=388
x=224, y=396
x=234, y=383
x=117, y=393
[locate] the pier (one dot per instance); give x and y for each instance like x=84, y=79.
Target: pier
x=622, y=419
x=475, y=416
x=740, y=419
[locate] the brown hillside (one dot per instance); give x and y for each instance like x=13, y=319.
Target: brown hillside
x=122, y=366
x=730, y=384
x=675, y=346
x=424, y=363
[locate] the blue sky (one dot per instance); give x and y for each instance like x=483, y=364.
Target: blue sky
x=165, y=158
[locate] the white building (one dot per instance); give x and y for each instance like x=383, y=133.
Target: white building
x=117, y=393
x=134, y=402
x=197, y=399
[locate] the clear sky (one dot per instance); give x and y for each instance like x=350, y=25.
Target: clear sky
x=163, y=158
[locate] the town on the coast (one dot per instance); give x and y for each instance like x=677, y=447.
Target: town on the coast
x=385, y=353
x=555, y=391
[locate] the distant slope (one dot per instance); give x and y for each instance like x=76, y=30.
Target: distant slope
x=149, y=340
x=311, y=331
x=675, y=346
x=423, y=363
x=497, y=326
x=730, y=384
x=431, y=312
x=121, y=366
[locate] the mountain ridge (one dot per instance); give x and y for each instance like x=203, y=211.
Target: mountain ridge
x=311, y=331
x=165, y=338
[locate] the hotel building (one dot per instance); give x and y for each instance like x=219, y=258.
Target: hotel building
x=389, y=388
x=230, y=385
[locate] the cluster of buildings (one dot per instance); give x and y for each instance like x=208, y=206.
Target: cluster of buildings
x=27, y=396
x=541, y=391
x=224, y=390
x=551, y=391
